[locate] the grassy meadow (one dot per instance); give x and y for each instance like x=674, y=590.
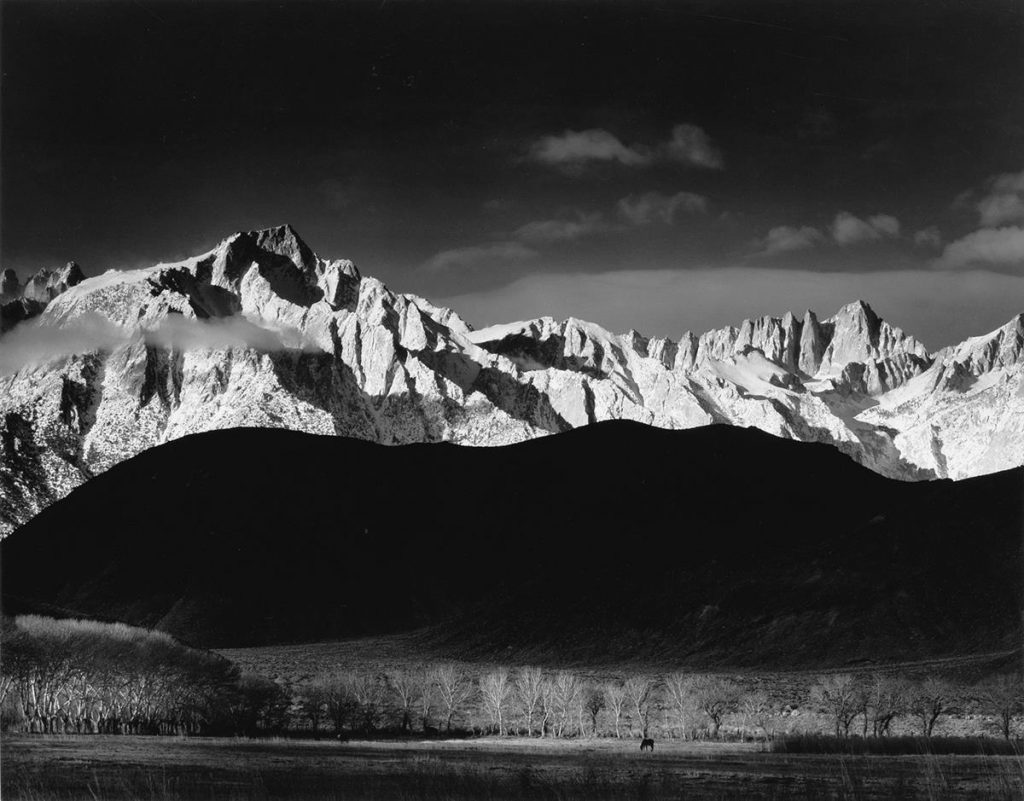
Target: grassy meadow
x=101, y=711
x=48, y=768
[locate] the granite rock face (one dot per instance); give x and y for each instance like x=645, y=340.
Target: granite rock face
x=22, y=302
x=261, y=331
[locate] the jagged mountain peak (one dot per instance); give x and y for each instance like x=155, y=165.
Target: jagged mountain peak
x=282, y=240
x=19, y=302
x=46, y=284
x=394, y=368
x=43, y=285
x=857, y=308
x=1003, y=347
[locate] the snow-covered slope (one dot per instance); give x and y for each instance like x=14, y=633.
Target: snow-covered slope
x=261, y=331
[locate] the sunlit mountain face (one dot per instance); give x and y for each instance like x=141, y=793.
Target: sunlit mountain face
x=262, y=332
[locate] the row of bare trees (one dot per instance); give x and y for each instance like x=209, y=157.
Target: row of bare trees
x=532, y=702
x=528, y=702
x=353, y=701
x=878, y=700
x=87, y=677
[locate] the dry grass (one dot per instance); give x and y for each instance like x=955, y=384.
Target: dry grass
x=168, y=769
x=899, y=746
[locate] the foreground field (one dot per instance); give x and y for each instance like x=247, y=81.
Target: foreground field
x=39, y=768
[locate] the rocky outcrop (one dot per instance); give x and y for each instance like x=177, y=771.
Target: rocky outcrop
x=45, y=285
x=22, y=302
x=10, y=287
x=261, y=331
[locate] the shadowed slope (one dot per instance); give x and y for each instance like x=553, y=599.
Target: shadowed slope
x=715, y=545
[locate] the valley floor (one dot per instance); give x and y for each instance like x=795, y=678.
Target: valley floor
x=47, y=768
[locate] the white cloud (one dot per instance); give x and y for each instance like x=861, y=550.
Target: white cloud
x=541, y=231
x=846, y=229
x=1007, y=182
x=224, y=332
x=850, y=230
x=1000, y=203
x=938, y=307
x=998, y=248
x=1000, y=208
x=575, y=148
x=648, y=207
x=34, y=343
x=786, y=238
x=572, y=150
x=928, y=237
x=691, y=145
x=478, y=255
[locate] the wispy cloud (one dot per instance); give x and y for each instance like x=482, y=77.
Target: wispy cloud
x=994, y=248
x=1003, y=201
x=667, y=302
x=691, y=145
x=520, y=244
x=848, y=229
x=561, y=230
x=477, y=256
x=571, y=151
x=928, y=237
x=576, y=148
x=649, y=207
x=35, y=343
x=787, y=238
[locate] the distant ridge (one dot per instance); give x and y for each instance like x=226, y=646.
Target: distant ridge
x=716, y=546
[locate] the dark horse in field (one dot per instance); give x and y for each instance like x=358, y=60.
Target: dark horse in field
x=647, y=744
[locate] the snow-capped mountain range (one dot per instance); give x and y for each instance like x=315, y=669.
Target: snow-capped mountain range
x=262, y=332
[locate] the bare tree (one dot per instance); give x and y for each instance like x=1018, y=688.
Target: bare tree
x=715, y=697
x=426, y=695
x=528, y=688
x=1003, y=697
x=495, y=689
x=313, y=704
x=454, y=688
x=593, y=703
x=342, y=707
x=406, y=687
x=758, y=711
x=885, y=700
x=367, y=691
x=929, y=700
x=640, y=692
x=548, y=706
x=615, y=698
x=567, y=688
x=839, y=696
x=680, y=696
x=371, y=693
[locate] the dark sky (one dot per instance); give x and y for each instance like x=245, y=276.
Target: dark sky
x=660, y=165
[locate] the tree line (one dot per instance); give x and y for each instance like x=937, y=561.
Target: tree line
x=62, y=676
x=76, y=676
x=532, y=702
x=876, y=701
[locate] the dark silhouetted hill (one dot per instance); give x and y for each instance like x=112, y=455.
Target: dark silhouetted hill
x=717, y=545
